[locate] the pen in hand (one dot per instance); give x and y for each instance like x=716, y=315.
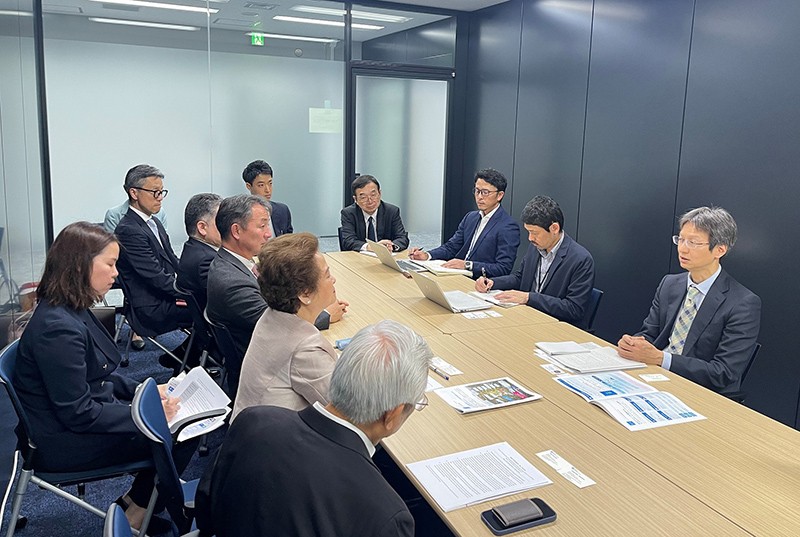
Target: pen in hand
x=486, y=282
x=439, y=372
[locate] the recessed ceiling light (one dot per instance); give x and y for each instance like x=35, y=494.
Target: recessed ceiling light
x=159, y=5
x=323, y=22
x=161, y=25
x=363, y=15
x=295, y=37
x=11, y=13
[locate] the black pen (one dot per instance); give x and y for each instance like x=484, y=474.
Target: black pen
x=485, y=279
x=439, y=372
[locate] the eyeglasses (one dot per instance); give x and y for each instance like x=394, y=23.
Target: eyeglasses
x=422, y=403
x=372, y=197
x=156, y=193
x=482, y=192
x=678, y=241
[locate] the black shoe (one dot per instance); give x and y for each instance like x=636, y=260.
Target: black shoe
x=170, y=363
x=157, y=524
x=137, y=344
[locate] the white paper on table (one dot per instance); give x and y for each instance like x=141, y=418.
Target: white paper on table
x=436, y=267
x=433, y=384
x=495, y=393
x=647, y=411
x=445, y=367
x=197, y=393
x=569, y=472
x=597, y=359
x=562, y=347
x=475, y=315
x=490, y=297
x=554, y=369
x=599, y=386
x=477, y=475
x=492, y=313
x=654, y=377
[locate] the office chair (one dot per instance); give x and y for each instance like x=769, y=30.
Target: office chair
x=8, y=287
x=116, y=524
x=49, y=480
x=129, y=316
x=740, y=396
x=591, y=309
x=230, y=352
x=341, y=241
x=178, y=497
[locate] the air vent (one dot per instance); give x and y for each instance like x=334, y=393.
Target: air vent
x=259, y=5
x=234, y=23
x=120, y=7
x=63, y=10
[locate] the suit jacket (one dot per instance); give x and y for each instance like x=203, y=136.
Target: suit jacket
x=388, y=225
x=567, y=286
x=281, y=218
x=148, y=269
x=281, y=472
x=67, y=382
x=288, y=364
x=721, y=338
x=496, y=249
x=193, y=268
x=234, y=299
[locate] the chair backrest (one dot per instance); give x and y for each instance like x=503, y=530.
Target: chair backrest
x=233, y=358
x=750, y=362
x=130, y=313
x=341, y=242
x=8, y=363
x=592, y=307
x=148, y=415
x=116, y=524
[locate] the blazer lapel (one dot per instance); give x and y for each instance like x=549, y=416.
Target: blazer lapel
x=334, y=432
x=225, y=254
x=711, y=303
x=560, y=255
x=102, y=339
x=361, y=227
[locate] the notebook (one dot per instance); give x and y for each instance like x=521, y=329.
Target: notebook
x=455, y=301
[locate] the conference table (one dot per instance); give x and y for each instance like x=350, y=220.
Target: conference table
x=735, y=473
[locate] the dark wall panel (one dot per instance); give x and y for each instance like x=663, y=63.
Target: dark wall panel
x=554, y=66
x=634, y=114
x=740, y=151
x=491, y=101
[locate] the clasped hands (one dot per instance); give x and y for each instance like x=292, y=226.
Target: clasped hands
x=639, y=349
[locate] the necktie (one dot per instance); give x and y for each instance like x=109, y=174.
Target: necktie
x=371, y=230
x=154, y=228
x=683, y=323
x=254, y=270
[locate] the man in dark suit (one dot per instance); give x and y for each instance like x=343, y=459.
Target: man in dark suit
x=487, y=239
x=371, y=218
x=258, y=180
x=702, y=325
x=234, y=298
x=310, y=473
x=556, y=275
x=201, y=247
x=147, y=263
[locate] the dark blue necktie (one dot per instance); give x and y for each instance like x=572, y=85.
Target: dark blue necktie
x=371, y=230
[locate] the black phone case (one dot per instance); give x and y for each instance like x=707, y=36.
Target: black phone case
x=548, y=515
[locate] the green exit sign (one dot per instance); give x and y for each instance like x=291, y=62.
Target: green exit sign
x=257, y=40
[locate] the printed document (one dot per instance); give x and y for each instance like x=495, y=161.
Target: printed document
x=598, y=386
x=487, y=394
x=435, y=266
x=490, y=297
x=477, y=475
x=199, y=395
x=594, y=358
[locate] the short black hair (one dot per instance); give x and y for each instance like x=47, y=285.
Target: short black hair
x=543, y=211
x=237, y=210
x=136, y=176
x=363, y=180
x=493, y=177
x=200, y=207
x=254, y=169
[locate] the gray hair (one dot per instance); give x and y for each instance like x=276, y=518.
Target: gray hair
x=200, y=207
x=237, y=210
x=383, y=366
x=136, y=176
x=716, y=221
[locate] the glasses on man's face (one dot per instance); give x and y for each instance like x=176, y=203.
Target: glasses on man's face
x=482, y=192
x=156, y=193
x=422, y=403
x=372, y=196
x=678, y=241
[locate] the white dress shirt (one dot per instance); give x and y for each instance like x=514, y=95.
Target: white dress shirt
x=484, y=220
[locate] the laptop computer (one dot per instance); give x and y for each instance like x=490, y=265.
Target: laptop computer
x=455, y=301
x=386, y=257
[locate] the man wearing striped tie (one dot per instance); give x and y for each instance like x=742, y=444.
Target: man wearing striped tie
x=703, y=324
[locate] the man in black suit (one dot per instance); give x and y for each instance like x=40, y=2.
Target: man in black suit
x=234, y=298
x=371, y=218
x=147, y=263
x=556, y=275
x=703, y=325
x=258, y=180
x=201, y=247
x=310, y=473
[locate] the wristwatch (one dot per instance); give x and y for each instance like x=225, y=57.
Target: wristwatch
x=468, y=265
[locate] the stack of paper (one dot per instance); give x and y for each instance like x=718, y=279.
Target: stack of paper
x=585, y=357
x=435, y=266
x=199, y=396
x=490, y=297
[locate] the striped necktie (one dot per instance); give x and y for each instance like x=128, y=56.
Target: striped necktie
x=684, y=322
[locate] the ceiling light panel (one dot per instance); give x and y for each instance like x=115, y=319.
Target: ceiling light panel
x=160, y=25
x=295, y=37
x=362, y=15
x=158, y=5
x=323, y=22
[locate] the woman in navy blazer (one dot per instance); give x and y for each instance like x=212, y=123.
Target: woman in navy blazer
x=77, y=404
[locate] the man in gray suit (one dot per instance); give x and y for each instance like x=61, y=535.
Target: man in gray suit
x=234, y=298
x=702, y=325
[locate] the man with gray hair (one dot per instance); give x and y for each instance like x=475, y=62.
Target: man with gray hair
x=201, y=247
x=310, y=473
x=702, y=325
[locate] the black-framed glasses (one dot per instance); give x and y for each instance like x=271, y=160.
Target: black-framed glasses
x=156, y=193
x=372, y=196
x=482, y=192
x=422, y=403
x=677, y=241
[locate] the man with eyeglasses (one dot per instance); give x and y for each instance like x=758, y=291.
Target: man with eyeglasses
x=147, y=263
x=702, y=325
x=283, y=472
x=556, y=275
x=370, y=218
x=486, y=240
